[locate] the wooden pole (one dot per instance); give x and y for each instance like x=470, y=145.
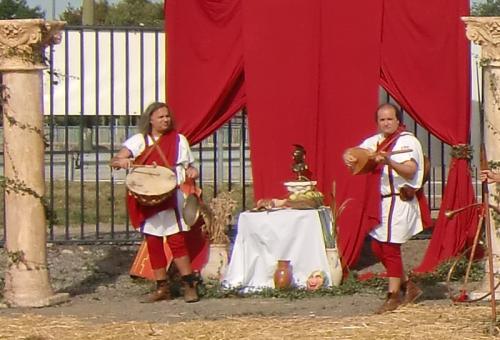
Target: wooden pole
x=88, y=13
x=489, y=243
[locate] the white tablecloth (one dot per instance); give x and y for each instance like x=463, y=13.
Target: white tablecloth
x=265, y=237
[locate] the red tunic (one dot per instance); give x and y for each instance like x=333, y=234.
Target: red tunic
x=169, y=145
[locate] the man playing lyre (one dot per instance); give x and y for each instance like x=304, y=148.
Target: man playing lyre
x=393, y=181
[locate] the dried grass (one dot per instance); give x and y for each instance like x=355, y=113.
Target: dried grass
x=218, y=216
x=412, y=322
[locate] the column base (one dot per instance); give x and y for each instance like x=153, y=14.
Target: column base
x=44, y=302
x=30, y=288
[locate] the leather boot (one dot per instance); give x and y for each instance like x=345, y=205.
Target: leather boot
x=411, y=292
x=162, y=292
x=392, y=302
x=190, y=292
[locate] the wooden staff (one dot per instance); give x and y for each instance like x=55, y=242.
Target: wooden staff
x=487, y=224
x=485, y=200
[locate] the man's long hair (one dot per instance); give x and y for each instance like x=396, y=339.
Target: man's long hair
x=144, y=125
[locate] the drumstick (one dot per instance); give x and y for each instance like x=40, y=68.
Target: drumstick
x=143, y=166
x=145, y=173
x=135, y=166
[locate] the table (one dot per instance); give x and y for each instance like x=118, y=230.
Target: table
x=265, y=237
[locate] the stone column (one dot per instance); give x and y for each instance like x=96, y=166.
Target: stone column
x=485, y=31
x=22, y=44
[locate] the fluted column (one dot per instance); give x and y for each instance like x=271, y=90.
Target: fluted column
x=22, y=43
x=485, y=31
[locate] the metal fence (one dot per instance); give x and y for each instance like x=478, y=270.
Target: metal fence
x=91, y=108
x=87, y=196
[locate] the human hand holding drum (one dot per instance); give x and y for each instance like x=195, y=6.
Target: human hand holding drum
x=118, y=163
x=191, y=172
x=349, y=159
x=490, y=176
x=381, y=157
x=121, y=160
x=361, y=161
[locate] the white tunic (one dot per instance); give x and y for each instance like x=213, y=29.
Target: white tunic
x=165, y=223
x=405, y=219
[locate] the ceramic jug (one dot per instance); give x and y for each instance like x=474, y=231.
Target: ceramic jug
x=283, y=275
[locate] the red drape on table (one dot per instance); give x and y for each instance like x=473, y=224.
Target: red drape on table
x=425, y=66
x=311, y=74
x=204, y=63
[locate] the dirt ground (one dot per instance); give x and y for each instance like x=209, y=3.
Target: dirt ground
x=96, y=277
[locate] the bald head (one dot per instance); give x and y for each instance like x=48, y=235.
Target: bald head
x=387, y=119
x=388, y=107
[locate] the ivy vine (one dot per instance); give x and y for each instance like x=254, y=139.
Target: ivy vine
x=18, y=257
x=14, y=184
x=495, y=166
x=484, y=62
x=25, y=55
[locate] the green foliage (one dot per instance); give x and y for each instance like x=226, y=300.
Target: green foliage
x=440, y=274
x=490, y=8
x=89, y=213
x=18, y=9
x=124, y=13
x=350, y=286
x=72, y=15
x=136, y=12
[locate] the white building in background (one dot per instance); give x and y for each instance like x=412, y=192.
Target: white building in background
x=105, y=72
x=119, y=72
x=87, y=73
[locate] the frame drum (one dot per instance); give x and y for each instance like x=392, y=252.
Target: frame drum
x=365, y=163
x=151, y=184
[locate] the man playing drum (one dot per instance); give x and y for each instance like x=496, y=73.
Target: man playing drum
x=159, y=143
x=393, y=182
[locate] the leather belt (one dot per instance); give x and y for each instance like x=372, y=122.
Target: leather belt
x=390, y=195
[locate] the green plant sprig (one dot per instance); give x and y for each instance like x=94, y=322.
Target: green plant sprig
x=17, y=257
x=13, y=184
x=335, y=212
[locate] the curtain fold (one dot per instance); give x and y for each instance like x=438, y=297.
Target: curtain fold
x=309, y=72
x=309, y=82
x=349, y=76
x=281, y=65
x=205, y=79
x=425, y=67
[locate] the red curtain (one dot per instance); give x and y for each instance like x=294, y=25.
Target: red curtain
x=350, y=68
x=205, y=64
x=425, y=66
x=282, y=85
x=307, y=77
x=311, y=76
